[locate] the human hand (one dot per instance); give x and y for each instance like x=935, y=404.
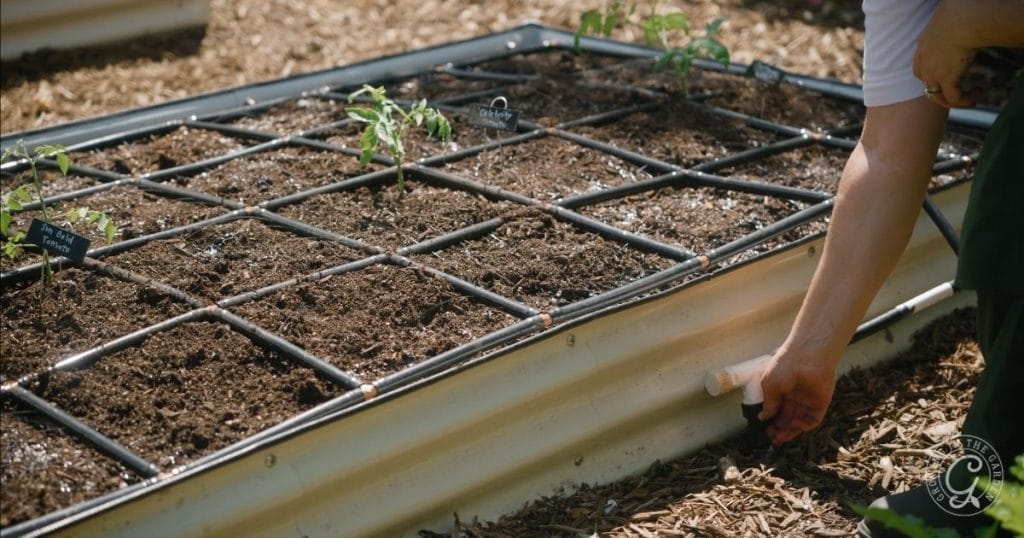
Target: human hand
x=940, y=62
x=797, y=392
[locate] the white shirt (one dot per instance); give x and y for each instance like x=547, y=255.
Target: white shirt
x=891, y=30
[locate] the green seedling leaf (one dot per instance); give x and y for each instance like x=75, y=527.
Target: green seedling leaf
x=910, y=526
x=363, y=114
x=109, y=231
x=1008, y=506
x=11, y=248
x=676, y=21
x=714, y=26
x=712, y=48
x=590, y=21
x=367, y=145
x=63, y=162
x=385, y=133
x=5, y=223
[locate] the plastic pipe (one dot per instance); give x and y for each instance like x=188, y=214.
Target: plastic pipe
x=746, y=375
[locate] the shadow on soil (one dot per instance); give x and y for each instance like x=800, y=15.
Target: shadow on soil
x=38, y=65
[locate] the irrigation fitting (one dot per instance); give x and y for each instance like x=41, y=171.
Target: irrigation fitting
x=747, y=377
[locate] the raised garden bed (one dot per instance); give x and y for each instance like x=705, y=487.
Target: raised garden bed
x=257, y=277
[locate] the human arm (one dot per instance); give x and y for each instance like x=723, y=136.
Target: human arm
x=956, y=30
x=879, y=199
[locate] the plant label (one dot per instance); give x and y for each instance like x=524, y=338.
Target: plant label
x=57, y=240
x=493, y=117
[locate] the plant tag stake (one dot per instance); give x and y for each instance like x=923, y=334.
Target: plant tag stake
x=766, y=73
x=57, y=240
x=495, y=117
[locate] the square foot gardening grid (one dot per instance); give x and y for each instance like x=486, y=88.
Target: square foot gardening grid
x=264, y=278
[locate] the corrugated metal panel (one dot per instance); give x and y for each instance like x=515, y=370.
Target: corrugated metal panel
x=28, y=25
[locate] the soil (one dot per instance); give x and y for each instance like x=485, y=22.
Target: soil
x=190, y=389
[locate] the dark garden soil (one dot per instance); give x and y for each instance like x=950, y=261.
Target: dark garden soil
x=193, y=388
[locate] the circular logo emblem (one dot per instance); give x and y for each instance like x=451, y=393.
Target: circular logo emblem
x=959, y=490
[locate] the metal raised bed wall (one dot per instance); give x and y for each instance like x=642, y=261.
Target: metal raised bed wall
x=567, y=405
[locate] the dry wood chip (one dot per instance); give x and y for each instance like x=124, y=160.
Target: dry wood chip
x=793, y=516
x=651, y=515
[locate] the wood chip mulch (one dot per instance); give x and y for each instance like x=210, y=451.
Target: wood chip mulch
x=890, y=428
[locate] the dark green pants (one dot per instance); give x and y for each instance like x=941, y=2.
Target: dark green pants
x=992, y=262
x=997, y=412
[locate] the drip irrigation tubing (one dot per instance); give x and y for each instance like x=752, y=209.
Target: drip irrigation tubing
x=128, y=276
x=945, y=228
x=617, y=234
x=753, y=154
x=512, y=307
x=268, y=339
x=105, y=444
x=691, y=266
x=254, y=295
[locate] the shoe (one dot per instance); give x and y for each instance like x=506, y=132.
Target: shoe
x=919, y=503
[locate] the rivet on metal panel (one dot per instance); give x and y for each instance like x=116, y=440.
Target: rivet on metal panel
x=270, y=460
x=811, y=251
x=570, y=340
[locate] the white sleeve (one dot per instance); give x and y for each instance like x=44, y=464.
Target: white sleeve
x=891, y=29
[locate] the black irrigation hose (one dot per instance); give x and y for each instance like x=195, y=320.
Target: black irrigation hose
x=945, y=228
x=450, y=358
x=696, y=177
x=608, y=116
x=365, y=180
x=439, y=160
x=206, y=164
x=421, y=171
x=311, y=231
x=103, y=443
x=462, y=234
x=88, y=357
x=76, y=194
x=689, y=267
x=631, y=157
x=633, y=289
x=480, y=74
x=617, y=234
x=248, y=296
x=619, y=191
x=512, y=307
x=179, y=193
x=303, y=141
x=128, y=276
x=232, y=130
x=770, y=231
x=337, y=376
x=757, y=123
x=756, y=153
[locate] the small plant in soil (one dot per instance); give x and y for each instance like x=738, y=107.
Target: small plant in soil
x=669, y=31
x=386, y=122
x=16, y=200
